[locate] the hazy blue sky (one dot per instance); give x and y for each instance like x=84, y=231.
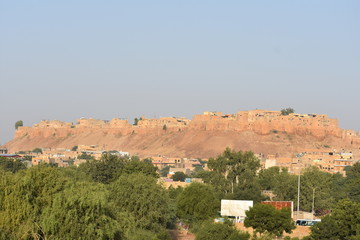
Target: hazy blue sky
x=104, y=59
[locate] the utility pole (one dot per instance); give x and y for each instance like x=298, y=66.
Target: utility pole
x=298, y=198
x=313, y=204
x=299, y=156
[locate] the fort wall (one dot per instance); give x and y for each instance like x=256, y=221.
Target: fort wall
x=262, y=122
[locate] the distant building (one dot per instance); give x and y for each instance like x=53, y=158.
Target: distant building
x=3, y=151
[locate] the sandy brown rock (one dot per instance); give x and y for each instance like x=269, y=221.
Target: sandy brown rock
x=204, y=136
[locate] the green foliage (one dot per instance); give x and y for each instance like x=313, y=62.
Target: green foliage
x=283, y=184
x=164, y=171
x=110, y=167
x=179, y=176
x=287, y=111
x=19, y=124
x=148, y=160
x=105, y=170
x=143, y=167
x=164, y=127
x=197, y=202
x=142, y=197
x=318, y=182
x=234, y=173
x=174, y=192
x=74, y=148
x=86, y=156
x=11, y=165
x=353, y=182
x=136, y=121
x=266, y=219
x=268, y=178
x=196, y=170
x=343, y=223
x=87, y=215
x=25, y=197
x=215, y=179
x=37, y=150
x=211, y=231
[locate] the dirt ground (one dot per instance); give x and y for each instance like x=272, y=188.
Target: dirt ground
x=299, y=231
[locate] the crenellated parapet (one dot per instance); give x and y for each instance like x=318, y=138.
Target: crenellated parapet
x=261, y=122
x=52, y=124
x=265, y=122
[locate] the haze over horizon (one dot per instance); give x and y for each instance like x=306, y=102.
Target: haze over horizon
x=66, y=60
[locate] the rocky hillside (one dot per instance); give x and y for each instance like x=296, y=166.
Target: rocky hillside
x=204, y=136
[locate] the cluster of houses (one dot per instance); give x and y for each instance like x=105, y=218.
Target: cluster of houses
x=330, y=160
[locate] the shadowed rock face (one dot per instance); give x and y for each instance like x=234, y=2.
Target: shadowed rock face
x=205, y=135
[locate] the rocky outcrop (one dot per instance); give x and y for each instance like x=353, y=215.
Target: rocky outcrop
x=269, y=132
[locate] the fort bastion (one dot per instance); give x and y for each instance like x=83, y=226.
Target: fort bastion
x=259, y=121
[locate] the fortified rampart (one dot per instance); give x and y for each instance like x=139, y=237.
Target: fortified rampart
x=261, y=122
x=265, y=122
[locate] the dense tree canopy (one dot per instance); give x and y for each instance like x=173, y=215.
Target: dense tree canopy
x=343, y=223
x=121, y=198
x=86, y=212
x=141, y=196
x=25, y=197
x=179, y=176
x=265, y=218
x=197, y=202
x=353, y=182
x=12, y=165
x=317, y=184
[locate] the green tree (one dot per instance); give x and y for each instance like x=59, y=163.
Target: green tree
x=74, y=148
x=342, y=224
x=11, y=165
x=80, y=212
x=216, y=180
x=142, y=197
x=143, y=167
x=164, y=171
x=339, y=187
x=37, y=150
x=25, y=197
x=196, y=170
x=211, y=231
x=287, y=111
x=164, y=127
x=317, y=184
x=352, y=182
x=285, y=187
x=197, y=202
x=268, y=178
x=19, y=124
x=283, y=184
x=265, y=218
x=106, y=170
x=179, y=176
x=239, y=171
x=136, y=121
x=86, y=156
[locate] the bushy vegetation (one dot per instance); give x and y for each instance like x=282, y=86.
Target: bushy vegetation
x=120, y=198
x=287, y=111
x=18, y=124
